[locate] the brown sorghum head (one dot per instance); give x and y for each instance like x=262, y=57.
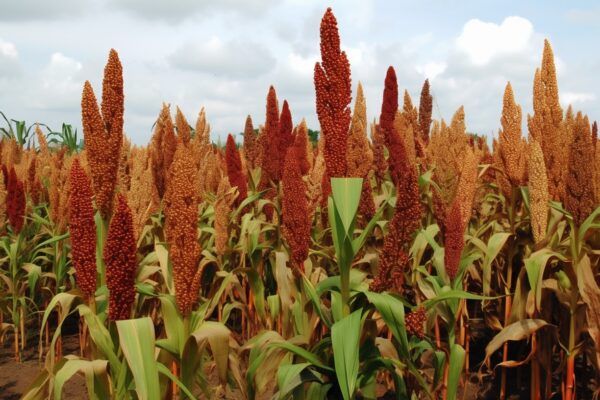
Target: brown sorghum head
x=82, y=229
x=334, y=93
x=236, y=175
x=119, y=257
x=103, y=133
x=453, y=240
x=251, y=149
x=296, y=220
x=415, y=322
x=425, y=108
x=15, y=201
x=270, y=141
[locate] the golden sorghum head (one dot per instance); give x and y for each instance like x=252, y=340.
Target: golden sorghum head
x=579, y=198
x=103, y=133
x=550, y=84
x=181, y=226
x=512, y=146
x=359, y=156
x=315, y=178
x=184, y=132
x=538, y=190
x=201, y=142
x=467, y=186
x=142, y=195
x=404, y=129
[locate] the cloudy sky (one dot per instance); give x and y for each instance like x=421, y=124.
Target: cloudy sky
x=223, y=55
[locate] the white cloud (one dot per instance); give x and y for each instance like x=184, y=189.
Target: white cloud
x=61, y=84
x=9, y=60
x=432, y=69
x=572, y=97
x=233, y=59
x=8, y=50
x=483, y=41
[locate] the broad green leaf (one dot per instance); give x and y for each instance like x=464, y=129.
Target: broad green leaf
x=74, y=365
x=136, y=337
x=346, y=196
x=392, y=312
x=345, y=340
x=457, y=361
x=288, y=378
x=100, y=335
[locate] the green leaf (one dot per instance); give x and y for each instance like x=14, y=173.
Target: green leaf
x=136, y=337
x=588, y=223
x=455, y=294
x=345, y=340
x=493, y=247
x=457, y=361
x=535, y=266
x=310, y=290
x=392, y=312
x=167, y=372
x=346, y=196
x=89, y=368
x=305, y=354
x=288, y=378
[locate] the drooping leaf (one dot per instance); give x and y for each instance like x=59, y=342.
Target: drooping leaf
x=516, y=331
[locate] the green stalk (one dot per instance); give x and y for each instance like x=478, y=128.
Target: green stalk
x=101, y=230
x=345, y=289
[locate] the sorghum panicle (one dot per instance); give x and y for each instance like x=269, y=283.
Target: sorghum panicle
x=235, y=172
x=120, y=261
x=82, y=229
x=296, y=220
x=334, y=93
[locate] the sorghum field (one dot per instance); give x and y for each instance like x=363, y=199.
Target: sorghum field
x=396, y=259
